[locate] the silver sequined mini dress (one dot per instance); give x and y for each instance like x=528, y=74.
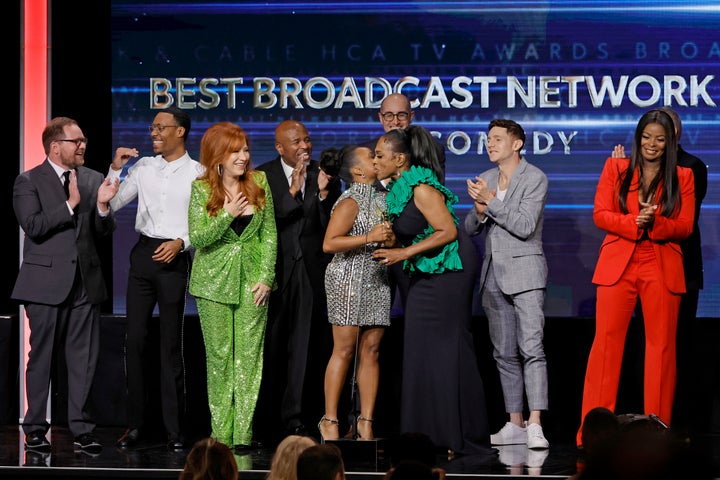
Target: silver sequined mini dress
x=357, y=286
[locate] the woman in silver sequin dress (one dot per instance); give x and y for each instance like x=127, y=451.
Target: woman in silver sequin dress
x=358, y=293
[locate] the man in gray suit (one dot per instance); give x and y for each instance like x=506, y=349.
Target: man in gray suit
x=509, y=204
x=63, y=208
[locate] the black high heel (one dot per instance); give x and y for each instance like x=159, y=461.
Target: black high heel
x=329, y=420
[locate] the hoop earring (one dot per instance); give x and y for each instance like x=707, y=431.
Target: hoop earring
x=219, y=170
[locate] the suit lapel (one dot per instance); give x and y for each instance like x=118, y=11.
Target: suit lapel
x=310, y=182
x=516, y=178
x=50, y=177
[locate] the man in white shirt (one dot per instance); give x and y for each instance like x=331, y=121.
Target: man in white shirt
x=159, y=267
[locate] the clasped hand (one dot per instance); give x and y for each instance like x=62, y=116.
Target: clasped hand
x=480, y=193
x=389, y=256
x=646, y=217
x=383, y=234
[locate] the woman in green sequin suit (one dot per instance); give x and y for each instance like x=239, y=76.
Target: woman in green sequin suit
x=232, y=226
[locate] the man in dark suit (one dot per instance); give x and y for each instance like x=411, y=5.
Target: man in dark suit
x=297, y=329
x=693, y=394
x=63, y=208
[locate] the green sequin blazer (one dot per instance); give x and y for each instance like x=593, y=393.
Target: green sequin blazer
x=226, y=263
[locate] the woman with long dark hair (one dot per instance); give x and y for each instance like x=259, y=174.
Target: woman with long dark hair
x=646, y=204
x=442, y=392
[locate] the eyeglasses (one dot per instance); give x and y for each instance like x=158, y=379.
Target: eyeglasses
x=160, y=127
x=76, y=141
x=389, y=116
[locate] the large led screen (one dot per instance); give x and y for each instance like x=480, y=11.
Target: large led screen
x=576, y=75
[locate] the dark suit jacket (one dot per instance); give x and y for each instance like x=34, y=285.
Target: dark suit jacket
x=691, y=246
x=55, y=243
x=300, y=223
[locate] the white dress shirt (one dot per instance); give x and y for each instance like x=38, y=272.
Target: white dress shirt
x=163, y=192
x=288, y=174
x=60, y=171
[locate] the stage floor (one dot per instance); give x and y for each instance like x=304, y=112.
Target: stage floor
x=153, y=460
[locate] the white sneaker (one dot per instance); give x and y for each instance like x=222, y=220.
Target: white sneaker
x=535, y=437
x=510, y=434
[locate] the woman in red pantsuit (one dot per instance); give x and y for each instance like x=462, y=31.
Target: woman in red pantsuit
x=646, y=205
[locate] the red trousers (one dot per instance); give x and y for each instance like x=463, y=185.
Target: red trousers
x=615, y=304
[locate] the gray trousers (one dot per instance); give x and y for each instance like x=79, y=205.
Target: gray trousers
x=516, y=324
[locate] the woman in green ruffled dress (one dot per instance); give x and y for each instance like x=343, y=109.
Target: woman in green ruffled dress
x=442, y=392
x=232, y=226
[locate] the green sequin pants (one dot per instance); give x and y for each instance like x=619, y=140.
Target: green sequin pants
x=233, y=339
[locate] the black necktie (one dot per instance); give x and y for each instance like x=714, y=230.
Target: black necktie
x=66, y=183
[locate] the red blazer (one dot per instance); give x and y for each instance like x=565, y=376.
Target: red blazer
x=623, y=233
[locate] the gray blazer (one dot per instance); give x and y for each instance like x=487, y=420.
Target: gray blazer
x=514, y=230
x=55, y=242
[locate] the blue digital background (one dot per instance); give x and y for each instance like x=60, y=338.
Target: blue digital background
x=596, y=67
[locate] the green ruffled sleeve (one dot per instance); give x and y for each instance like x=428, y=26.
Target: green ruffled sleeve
x=401, y=192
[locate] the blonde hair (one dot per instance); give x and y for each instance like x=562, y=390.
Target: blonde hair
x=284, y=461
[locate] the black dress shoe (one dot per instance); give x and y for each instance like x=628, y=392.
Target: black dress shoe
x=87, y=443
x=37, y=441
x=175, y=441
x=129, y=439
x=298, y=429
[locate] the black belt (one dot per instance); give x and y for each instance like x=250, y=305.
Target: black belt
x=145, y=240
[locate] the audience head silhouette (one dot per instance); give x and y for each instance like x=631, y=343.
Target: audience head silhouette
x=210, y=460
x=321, y=462
x=410, y=470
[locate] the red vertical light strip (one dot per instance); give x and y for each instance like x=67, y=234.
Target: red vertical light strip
x=34, y=116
